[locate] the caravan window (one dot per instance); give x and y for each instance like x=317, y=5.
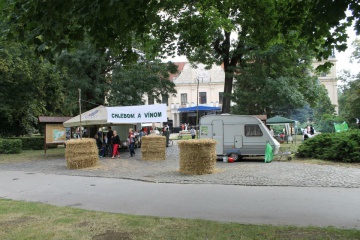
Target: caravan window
x=252, y=130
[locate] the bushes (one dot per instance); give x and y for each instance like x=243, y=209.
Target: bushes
x=32, y=143
x=10, y=146
x=343, y=146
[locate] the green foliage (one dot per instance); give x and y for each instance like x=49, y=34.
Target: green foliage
x=275, y=81
x=130, y=83
x=29, y=88
x=86, y=68
x=326, y=123
x=343, y=146
x=323, y=104
x=10, y=146
x=32, y=143
x=350, y=98
x=213, y=31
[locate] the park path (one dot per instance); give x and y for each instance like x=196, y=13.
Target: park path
x=286, y=205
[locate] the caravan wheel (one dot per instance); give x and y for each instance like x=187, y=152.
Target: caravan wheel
x=235, y=156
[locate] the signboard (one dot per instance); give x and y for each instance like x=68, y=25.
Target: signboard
x=137, y=114
x=55, y=133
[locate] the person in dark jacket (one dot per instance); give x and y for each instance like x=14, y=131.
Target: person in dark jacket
x=131, y=142
x=109, y=137
x=100, y=146
x=116, y=144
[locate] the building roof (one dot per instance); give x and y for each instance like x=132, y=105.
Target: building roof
x=180, y=66
x=46, y=119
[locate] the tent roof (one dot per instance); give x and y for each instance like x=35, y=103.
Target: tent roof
x=200, y=108
x=279, y=120
x=96, y=116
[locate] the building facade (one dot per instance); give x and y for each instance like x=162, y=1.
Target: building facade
x=329, y=80
x=195, y=87
x=205, y=87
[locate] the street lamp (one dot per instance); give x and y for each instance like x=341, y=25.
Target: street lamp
x=197, y=102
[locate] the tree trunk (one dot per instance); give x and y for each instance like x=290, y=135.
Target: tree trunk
x=227, y=93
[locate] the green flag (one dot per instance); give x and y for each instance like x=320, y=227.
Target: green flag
x=339, y=127
x=269, y=156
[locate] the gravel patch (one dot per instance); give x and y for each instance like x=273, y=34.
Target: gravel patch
x=247, y=172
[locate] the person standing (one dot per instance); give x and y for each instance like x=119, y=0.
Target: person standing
x=99, y=145
x=193, y=132
x=116, y=143
x=312, y=130
x=132, y=142
x=109, y=136
x=271, y=131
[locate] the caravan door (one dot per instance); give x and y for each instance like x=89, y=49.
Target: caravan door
x=218, y=135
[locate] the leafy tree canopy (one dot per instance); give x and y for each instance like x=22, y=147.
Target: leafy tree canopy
x=130, y=83
x=206, y=31
x=28, y=89
x=276, y=81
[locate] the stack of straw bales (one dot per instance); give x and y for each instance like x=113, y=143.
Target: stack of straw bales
x=198, y=156
x=81, y=153
x=153, y=147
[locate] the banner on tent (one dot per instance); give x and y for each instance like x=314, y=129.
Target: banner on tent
x=137, y=114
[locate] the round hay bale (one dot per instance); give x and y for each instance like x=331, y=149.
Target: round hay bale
x=81, y=153
x=198, y=156
x=153, y=147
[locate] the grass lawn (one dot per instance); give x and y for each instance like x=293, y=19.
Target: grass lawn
x=26, y=220
x=33, y=155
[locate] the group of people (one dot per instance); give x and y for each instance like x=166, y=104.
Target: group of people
x=308, y=132
x=111, y=144
x=184, y=126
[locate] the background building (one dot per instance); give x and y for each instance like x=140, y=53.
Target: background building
x=205, y=87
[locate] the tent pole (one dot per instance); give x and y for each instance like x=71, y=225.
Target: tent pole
x=81, y=132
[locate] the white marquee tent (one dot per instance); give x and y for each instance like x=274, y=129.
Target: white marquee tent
x=119, y=115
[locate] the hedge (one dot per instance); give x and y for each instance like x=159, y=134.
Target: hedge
x=10, y=146
x=32, y=143
x=343, y=146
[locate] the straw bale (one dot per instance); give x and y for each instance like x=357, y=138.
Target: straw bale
x=81, y=153
x=153, y=147
x=198, y=156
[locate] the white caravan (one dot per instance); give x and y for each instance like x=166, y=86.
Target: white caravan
x=237, y=135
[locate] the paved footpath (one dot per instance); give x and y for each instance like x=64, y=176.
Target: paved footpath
x=286, y=205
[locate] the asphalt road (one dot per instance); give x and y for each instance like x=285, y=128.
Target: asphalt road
x=300, y=206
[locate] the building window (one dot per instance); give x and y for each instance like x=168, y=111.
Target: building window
x=184, y=98
x=150, y=100
x=323, y=74
x=202, y=97
x=165, y=99
x=221, y=95
x=253, y=130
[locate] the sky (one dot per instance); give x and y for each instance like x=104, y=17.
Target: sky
x=343, y=58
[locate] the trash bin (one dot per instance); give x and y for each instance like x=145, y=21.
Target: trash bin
x=225, y=158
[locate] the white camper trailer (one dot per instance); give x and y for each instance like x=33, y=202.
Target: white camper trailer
x=237, y=135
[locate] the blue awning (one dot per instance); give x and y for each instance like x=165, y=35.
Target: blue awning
x=199, y=108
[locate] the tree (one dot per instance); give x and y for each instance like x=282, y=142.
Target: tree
x=87, y=68
x=54, y=25
x=208, y=31
x=355, y=56
x=323, y=105
x=349, y=100
x=29, y=89
x=275, y=81
x=227, y=32
x=130, y=83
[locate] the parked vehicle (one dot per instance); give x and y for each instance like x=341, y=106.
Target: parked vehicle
x=237, y=135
